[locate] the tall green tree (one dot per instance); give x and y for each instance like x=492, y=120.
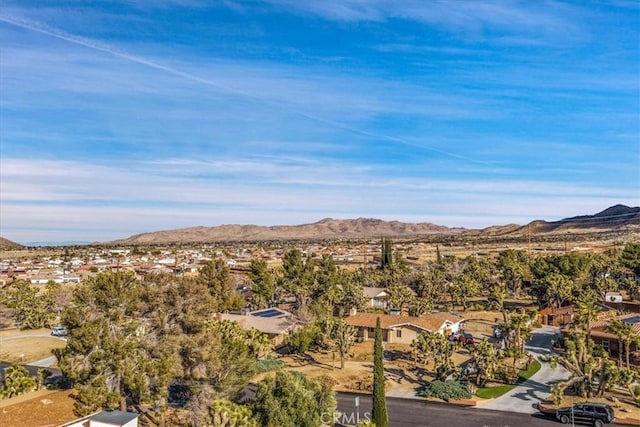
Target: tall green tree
x=291, y=399
x=434, y=347
x=351, y=295
x=485, y=360
x=630, y=257
x=462, y=288
x=31, y=309
x=297, y=277
x=341, y=336
x=400, y=296
x=426, y=289
x=379, y=412
x=555, y=290
x=103, y=356
x=386, y=252
x=217, y=278
x=263, y=286
x=514, y=269
x=218, y=359
x=516, y=331
x=497, y=295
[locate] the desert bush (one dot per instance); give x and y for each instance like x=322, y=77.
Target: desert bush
x=268, y=365
x=17, y=381
x=446, y=390
x=301, y=341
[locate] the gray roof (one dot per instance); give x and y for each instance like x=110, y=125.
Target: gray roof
x=276, y=325
x=371, y=292
x=117, y=418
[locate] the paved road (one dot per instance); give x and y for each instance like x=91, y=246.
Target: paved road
x=524, y=397
x=420, y=413
x=44, y=363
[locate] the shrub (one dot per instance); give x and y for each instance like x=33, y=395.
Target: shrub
x=301, y=341
x=17, y=381
x=268, y=365
x=446, y=390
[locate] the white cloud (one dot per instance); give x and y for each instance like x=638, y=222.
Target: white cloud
x=103, y=202
x=551, y=19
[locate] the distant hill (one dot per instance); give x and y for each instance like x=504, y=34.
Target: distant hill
x=327, y=228
x=618, y=217
x=615, y=218
x=8, y=245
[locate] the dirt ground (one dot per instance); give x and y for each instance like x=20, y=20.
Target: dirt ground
x=47, y=408
x=28, y=349
x=357, y=374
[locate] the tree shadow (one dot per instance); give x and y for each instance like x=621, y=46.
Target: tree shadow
x=400, y=375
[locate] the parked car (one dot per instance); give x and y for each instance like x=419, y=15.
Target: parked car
x=595, y=414
x=466, y=338
x=59, y=331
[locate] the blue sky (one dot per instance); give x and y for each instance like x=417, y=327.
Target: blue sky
x=121, y=117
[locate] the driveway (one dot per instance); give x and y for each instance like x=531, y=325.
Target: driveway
x=524, y=397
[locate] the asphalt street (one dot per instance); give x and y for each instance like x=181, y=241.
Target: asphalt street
x=411, y=412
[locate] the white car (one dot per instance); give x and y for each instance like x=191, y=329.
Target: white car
x=59, y=331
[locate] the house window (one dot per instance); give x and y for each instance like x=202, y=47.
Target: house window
x=398, y=333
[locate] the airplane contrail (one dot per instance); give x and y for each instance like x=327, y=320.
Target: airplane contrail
x=96, y=45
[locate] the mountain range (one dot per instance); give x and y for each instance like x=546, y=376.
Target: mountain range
x=615, y=218
x=618, y=218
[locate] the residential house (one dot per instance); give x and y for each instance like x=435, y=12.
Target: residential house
x=610, y=342
x=376, y=297
x=404, y=329
x=556, y=316
x=276, y=323
x=615, y=297
x=106, y=418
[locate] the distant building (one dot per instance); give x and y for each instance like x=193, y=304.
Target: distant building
x=376, y=297
x=613, y=297
x=559, y=316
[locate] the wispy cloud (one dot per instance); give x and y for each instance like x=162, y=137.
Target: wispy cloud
x=85, y=201
x=462, y=17
x=447, y=111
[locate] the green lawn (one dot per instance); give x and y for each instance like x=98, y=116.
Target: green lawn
x=499, y=390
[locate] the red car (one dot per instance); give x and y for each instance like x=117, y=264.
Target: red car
x=466, y=339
